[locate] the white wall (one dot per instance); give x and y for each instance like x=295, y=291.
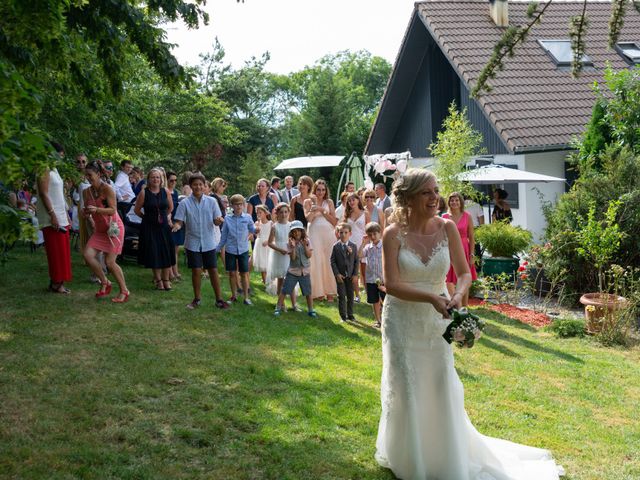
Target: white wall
x=548, y=163
x=529, y=214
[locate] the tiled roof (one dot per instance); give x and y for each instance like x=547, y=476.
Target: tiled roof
x=533, y=103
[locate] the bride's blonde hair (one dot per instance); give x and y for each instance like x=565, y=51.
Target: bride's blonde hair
x=404, y=189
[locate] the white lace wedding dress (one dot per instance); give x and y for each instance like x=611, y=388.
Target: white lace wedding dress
x=424, y=432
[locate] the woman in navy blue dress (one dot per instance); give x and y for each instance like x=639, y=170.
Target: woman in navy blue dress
x=155, y=245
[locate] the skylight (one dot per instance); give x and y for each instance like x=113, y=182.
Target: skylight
x=561, y=53
x=630, y=52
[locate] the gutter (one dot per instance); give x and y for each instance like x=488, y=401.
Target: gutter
x=543, y=148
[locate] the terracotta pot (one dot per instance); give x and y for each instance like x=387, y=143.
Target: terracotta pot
x=599, y=309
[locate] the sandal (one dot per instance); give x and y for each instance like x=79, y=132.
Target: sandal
x=121, y=298
x=167, y=284
x=159, y=284
x=105, y=289
x=59, y=289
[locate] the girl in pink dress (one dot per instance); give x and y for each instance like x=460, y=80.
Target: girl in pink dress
x=464, y=222
x=100, y=208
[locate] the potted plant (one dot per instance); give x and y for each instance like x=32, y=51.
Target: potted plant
x=503, y=241
x=598, y=243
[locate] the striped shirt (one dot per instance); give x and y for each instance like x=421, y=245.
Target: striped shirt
x=373, y=254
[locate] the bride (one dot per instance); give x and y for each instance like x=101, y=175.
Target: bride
x=424, y=432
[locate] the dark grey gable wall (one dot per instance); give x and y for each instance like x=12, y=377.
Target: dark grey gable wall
x=491, y=141
x=435, y=87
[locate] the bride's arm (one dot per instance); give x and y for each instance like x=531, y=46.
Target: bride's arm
x=393, y=281
x=460, y=264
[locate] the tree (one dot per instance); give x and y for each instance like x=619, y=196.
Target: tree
x=84, y=41
x=455, y=145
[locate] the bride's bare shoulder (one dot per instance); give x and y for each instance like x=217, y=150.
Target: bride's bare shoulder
x=391, y=232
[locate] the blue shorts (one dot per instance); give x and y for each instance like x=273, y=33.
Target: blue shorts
x=238, y=262
x=290, y=281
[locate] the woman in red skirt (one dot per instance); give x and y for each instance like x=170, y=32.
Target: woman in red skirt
x=108, y=232
x=54, y=221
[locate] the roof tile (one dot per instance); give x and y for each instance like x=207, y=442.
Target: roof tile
x=533, y=103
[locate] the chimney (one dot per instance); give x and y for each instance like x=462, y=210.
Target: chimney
x=499, y=11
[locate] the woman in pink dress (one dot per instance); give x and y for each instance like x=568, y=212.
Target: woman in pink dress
x=100, y=209
x=464, y=222
x=321, y=217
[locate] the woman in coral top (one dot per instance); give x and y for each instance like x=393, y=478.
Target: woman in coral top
x=100, y=209
x=464, y=222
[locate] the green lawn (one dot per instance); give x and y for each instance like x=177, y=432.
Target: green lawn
x=149, y=390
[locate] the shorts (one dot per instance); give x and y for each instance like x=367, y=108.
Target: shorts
x=233, y=262
x=290, y=281
x=374, y=294
x=206, y=260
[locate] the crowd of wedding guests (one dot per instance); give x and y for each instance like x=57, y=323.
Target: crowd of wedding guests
x=291, y=233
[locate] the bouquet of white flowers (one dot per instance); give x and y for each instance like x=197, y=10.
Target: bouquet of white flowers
x=465, y=328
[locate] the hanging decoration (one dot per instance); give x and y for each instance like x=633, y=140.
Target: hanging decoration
x=388, y=166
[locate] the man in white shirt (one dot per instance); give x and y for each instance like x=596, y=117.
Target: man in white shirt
x=289, y=191
x=124, y=192
x=476, y=212
x=383, y=201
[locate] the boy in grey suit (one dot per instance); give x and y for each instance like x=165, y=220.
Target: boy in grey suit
x=345, y=266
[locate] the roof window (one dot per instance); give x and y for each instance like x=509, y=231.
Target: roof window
x=630, y=51
x=561, y=53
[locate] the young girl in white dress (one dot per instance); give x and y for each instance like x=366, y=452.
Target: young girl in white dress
x=261, y=248
x=279, y=244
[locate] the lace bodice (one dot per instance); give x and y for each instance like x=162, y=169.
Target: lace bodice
x=424, y=258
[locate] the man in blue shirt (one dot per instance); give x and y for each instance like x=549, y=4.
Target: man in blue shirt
x=235, y=238
x=198, y=213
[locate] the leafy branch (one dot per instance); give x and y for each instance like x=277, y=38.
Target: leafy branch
x=618, y=10
x=506, y=47
x=577, y=31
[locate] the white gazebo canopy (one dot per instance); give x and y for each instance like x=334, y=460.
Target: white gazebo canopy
x=310, y=162
x=498, y=174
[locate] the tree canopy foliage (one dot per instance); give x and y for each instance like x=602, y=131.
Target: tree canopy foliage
x=98, y=76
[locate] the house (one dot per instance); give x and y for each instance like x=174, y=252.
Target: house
x=535, y=108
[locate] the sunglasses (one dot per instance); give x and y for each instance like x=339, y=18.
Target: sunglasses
x=370, y=196
x=108, y=167
x=173, y=180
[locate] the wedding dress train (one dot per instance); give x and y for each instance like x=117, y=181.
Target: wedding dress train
x=424, y=431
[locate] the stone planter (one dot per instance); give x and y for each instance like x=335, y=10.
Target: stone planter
x=497, y=265
x=600, y=308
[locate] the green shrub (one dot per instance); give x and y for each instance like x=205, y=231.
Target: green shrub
x=502, y=239
x=567, y=327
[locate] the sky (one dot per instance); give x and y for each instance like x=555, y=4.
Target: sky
x=295, y=32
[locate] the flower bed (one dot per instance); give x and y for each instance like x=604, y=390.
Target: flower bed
x=524, y=315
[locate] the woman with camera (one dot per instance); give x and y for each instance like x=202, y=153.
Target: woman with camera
x=108, y=232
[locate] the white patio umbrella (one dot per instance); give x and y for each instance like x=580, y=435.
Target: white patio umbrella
x=310, y=162
x=499, y=174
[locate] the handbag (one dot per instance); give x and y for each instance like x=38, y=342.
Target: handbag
x=113, y=230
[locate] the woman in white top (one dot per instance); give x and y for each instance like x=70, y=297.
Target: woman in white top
x=53, y=220
x=356, y=216
x=321, y=220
